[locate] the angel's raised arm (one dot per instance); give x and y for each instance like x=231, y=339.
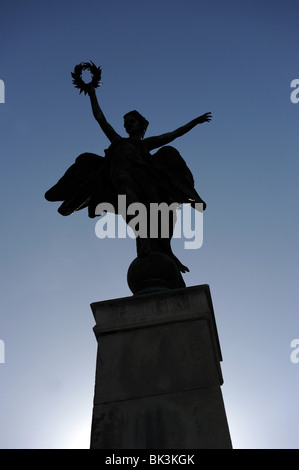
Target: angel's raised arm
x=108, y=130
x=164, y=139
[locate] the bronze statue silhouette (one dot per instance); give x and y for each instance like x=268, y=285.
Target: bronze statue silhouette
x=129, y=168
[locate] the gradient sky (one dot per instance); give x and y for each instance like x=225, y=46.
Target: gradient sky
x=172, y=60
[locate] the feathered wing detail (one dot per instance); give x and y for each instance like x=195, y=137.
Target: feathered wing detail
x=88, y=182
x=178, y=182
x=76, y=185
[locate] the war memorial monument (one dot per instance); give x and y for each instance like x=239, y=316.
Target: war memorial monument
x=158, y=376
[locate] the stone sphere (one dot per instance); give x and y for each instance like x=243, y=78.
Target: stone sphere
x=153, y=273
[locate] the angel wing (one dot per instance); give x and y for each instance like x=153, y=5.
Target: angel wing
x=178, y=182
x=75, y=186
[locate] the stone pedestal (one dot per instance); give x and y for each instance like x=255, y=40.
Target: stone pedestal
x=158, y=373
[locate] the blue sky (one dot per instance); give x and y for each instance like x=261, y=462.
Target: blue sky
x=171, y=60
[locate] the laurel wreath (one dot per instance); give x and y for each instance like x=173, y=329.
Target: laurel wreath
x=79, y=83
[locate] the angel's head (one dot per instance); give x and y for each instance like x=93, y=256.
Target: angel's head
x=135, y=124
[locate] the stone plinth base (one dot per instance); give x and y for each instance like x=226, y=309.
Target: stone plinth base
x=158, y=373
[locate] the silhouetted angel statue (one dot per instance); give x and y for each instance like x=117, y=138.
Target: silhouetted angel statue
x=129, y=169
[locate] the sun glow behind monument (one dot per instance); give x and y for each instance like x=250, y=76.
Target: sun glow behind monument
x=79, y=437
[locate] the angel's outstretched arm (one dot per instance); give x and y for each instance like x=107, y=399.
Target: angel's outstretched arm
x=164, y=139
x=100, y=118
